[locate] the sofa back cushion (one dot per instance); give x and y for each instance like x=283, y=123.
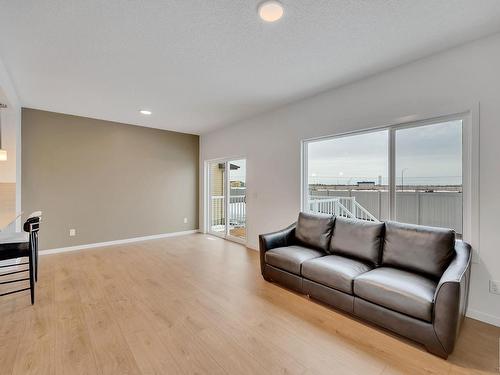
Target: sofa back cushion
x=358, y=239
x=417, y=248
x=314, y=230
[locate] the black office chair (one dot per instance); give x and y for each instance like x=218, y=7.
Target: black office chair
x=18, y=245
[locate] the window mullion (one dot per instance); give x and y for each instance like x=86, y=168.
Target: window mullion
x=392, y=174
x=227, y=190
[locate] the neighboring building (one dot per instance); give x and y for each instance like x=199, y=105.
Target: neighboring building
x=366, y=184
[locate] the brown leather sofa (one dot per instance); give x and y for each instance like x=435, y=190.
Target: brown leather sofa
x=410, y=279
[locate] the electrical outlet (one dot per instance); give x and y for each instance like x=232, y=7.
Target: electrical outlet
x=185, y=220
x=72, y=232
x=494, y=287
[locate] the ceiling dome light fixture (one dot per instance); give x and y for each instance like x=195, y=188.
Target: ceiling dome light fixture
x=271, y=11
x=145, y=112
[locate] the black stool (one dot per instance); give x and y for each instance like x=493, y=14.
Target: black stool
x=18, y=245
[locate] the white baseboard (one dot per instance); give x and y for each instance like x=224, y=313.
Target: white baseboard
x=116, y=242
x=252, y=247
x=486, y=318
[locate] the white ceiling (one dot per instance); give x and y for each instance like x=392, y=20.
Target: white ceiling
x=201, y=64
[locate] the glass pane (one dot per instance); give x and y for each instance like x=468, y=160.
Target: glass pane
x=429, y=175
x=348, y=176
x=237, y=199
x=217, y=199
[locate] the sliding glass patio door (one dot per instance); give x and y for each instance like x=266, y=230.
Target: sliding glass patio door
x=217, y=198
x=227, y=199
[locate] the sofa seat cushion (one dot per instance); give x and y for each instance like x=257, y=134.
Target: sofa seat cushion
x=334, y=271
x=398, y=290
x=290, y=258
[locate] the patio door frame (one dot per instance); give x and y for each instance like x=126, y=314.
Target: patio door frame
x=226, y=193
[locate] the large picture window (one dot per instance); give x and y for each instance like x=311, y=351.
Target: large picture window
x=411, y=173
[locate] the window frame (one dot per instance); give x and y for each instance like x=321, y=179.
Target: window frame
x=470, y=167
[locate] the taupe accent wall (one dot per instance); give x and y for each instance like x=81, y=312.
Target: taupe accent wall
x=107, y=180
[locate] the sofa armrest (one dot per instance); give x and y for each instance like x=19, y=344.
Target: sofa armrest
x=281, y=238
x=450, y=298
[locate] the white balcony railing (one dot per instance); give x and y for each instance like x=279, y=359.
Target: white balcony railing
x=236, y=210
x=340, y=206
x=438, y=208
x=441, y=209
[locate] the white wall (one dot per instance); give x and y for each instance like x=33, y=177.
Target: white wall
x=10, y=170
x=450, y=82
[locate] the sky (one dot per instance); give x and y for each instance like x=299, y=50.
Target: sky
x=425, y=155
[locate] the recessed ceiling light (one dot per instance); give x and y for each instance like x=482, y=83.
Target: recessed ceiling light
x=270, y=11
x=145, y=112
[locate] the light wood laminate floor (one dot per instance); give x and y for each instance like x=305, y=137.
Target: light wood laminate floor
x=197, y=305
